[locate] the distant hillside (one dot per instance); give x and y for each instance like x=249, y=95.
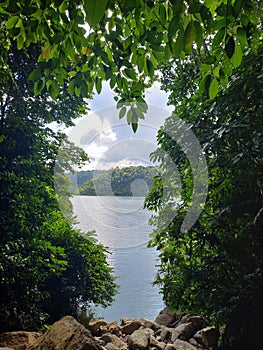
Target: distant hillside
x=129, y=181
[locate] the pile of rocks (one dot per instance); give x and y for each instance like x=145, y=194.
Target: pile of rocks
x=169, y=331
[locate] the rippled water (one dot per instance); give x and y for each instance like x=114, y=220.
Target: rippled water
x=121, y=224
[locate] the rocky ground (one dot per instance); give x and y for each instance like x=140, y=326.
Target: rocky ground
x=169, y=331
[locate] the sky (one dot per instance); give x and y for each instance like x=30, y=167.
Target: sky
x=110, y=141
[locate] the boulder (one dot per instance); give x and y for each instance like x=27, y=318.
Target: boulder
x=184, y=332
x=140, y=339
x=157, y=344
x=130, y=326
x=183, y=345
x=170, y=347
x=150, y=324
x=18, y=340
x=208, y=336
x=66, y=334
x=113, y=327
x=166, y=317
x=109, y=338
x=95, y=324
x=164, y=333
x=197, y=321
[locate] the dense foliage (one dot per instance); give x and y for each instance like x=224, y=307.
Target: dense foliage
x=216, y=267
x=128, y=181
x=46, y=268
x=126, y=41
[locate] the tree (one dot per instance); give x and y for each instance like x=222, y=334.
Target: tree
x=216, y=266
x=33, y=252
x=126, y=42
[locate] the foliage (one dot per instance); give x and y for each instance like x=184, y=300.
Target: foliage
x=37, y=245
x=128, y=181
x=126, y=42
x=216, y=267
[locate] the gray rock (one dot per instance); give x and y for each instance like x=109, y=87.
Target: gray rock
x=18, y=340
x=66, y=334
x=130, y=327
x=170, y=347
x=95, y=324
x=139, y=339
x=183, y=345
x=197, y=321
x=208, y=336
x=150, y=324
x=166, y=317
x=184, y=332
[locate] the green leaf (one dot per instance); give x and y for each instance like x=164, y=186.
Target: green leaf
x=178, y=46
x=98, y=85
x=150, y=67
x=39, y=86
x=237, y=7
x=189, y=36
x=11, y=23
x=130, y=73
x=54, y=90
x=94, y=10
x=122, y=112
x=134, y=127
x=242, y=37
x=199, y=38
x=230, y=47
x=174, y=25
x=177, y=6
x=218, y=39
x=223, y=77
x=35, y=75
x=236, y=59
x=71, y=87
x=204, y=83
x=213, y=89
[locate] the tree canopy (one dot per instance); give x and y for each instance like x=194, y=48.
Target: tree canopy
x=126, y=41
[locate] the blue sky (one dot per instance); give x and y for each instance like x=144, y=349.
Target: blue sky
x=110, y=142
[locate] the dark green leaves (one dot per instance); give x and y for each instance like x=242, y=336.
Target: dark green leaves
x=189, y=36
x=94, y=11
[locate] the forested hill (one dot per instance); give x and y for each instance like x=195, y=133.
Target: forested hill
x=128, y=181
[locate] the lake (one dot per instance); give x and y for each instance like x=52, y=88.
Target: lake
x=121, y=224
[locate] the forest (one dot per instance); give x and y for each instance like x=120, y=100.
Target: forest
x=207, y=55
x=128, y=181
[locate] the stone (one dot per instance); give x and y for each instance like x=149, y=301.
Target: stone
x=95, y=324
x=157, y=344
x=139, y=339
x=18, y=340
x=170, y=347
x=113, y=327
x=210, y=336
x=165, y=333
x=130, y=327
x=166, y=317
x=150, y=324
x=113, y=339
x=184, y=332
x=66, y=334
x=197, y=321
x=183, y=345
x=192, y=341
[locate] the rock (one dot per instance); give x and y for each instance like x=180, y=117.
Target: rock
x=170, y=347
x=192, y=341
x=150, y=324
x=113, y=327
x=183, y=345
x=157, y=344
x=197, y=321
x=18, y=340
x=139, y=340
x=66, y=334
x=166, y=317
x=95, y=324
x=164, y=333
x=114, y=340
x=184, y=332
x=130, y=326
x=208, y=336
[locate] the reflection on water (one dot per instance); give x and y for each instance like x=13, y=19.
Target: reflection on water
x=121, y=224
